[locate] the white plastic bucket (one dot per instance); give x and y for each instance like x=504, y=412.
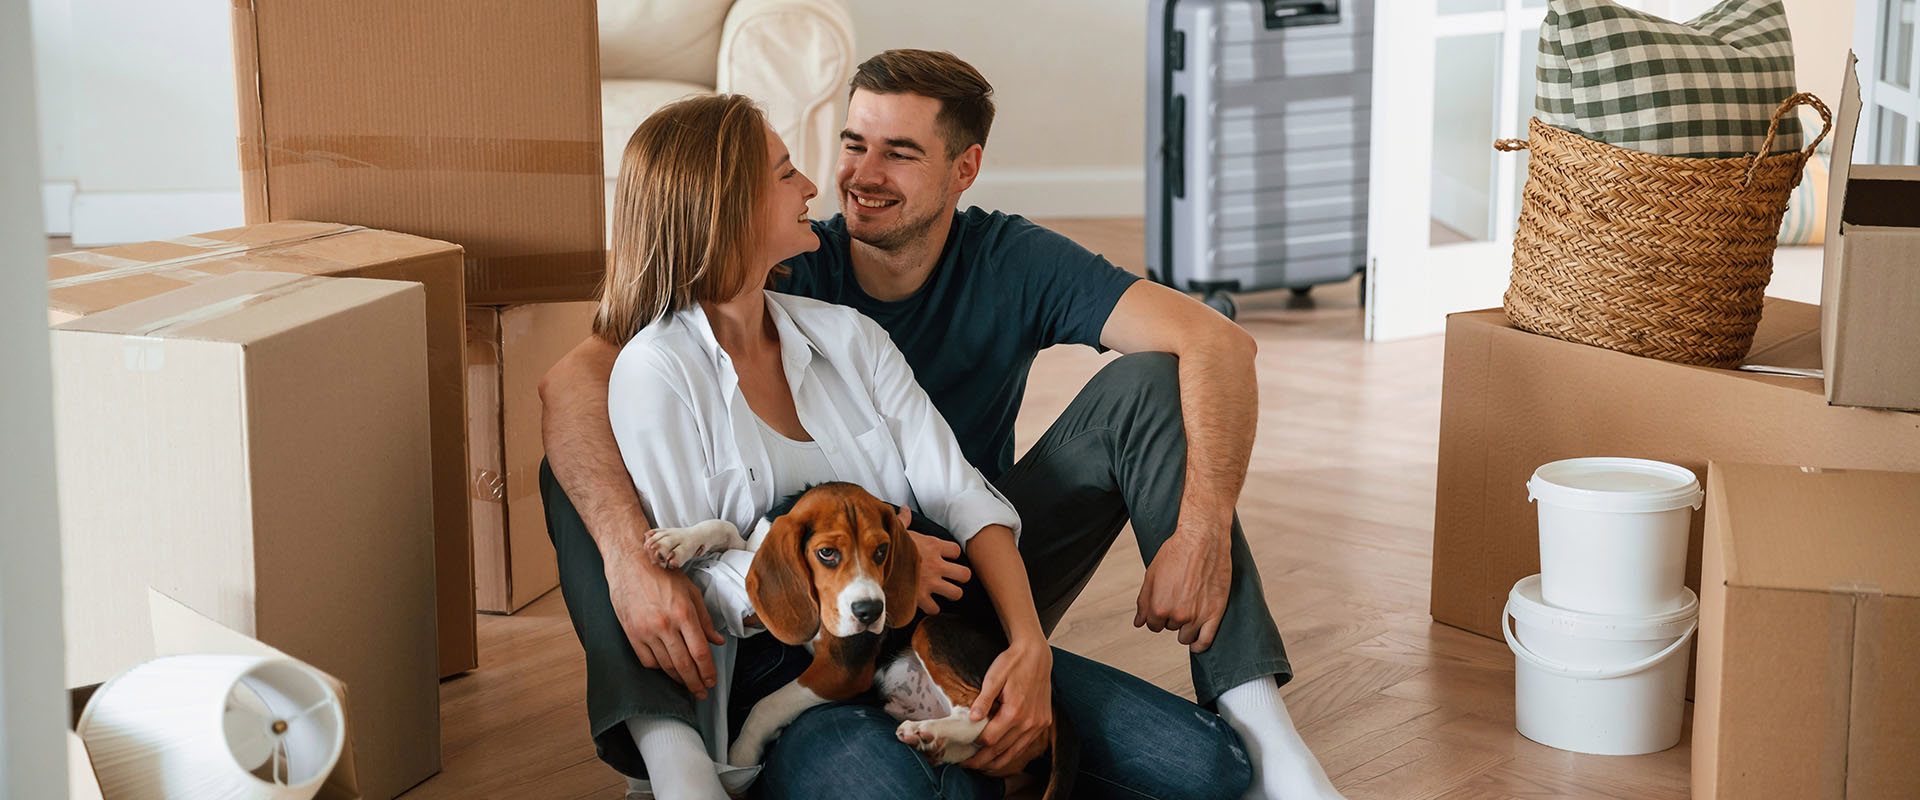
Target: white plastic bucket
x=1613, y=533
x=1593, y=683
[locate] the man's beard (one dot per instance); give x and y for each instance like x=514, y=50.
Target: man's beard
x=900, y=235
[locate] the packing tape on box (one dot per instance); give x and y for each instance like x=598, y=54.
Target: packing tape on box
x=489, y=486
x=568, y=268
x=91, y=258
x=426, y=153
x=1853, y=605
x=118, y=267
x=159, y=327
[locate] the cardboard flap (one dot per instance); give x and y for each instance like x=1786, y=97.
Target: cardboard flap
x=179, y=630
x=1846, y=126
x=1821, y=530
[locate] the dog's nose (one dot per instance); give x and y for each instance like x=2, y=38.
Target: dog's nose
x=867, y=611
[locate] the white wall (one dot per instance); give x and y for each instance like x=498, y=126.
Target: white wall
x=1069, y=87
x=138, y=118
x=32, y=703
x=137, y=111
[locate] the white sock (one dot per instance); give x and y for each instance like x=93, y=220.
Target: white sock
x=677, y=762
x=1283, y=767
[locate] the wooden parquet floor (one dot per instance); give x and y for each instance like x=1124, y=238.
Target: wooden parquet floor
x=1339, y=511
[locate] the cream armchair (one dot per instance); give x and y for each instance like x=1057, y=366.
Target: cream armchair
x=792, y=56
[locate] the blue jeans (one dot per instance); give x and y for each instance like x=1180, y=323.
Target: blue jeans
x=1136, y=741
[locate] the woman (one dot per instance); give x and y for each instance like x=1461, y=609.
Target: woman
x=727, y=397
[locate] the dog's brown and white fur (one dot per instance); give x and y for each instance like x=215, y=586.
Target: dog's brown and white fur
x=839, y=572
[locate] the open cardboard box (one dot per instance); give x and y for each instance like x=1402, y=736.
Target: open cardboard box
x=179, y=630
x=1870, y=287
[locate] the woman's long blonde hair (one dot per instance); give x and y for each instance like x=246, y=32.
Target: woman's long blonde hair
x=692, y=180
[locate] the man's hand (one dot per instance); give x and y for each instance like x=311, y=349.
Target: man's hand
x=663, y=614
x=940, y=574
x=1021, y=682
x=1186, y=587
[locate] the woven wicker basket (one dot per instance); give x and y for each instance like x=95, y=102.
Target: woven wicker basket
x=1658, y=256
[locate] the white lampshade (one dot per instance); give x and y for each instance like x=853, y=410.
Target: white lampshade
x=205, y=727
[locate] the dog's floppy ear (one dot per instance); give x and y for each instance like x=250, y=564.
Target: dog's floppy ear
x=780, y=584
x=903, y=573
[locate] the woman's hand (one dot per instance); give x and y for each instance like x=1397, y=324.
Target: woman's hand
x=1021, y=683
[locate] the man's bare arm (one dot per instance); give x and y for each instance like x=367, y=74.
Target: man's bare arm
x=1186, y=586
x=579, y=441
x=662, y=612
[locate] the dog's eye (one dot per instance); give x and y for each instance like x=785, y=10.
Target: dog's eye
x=828, y=556
x=880, y=554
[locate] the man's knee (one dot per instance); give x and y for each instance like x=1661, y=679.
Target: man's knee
x=1151, y=378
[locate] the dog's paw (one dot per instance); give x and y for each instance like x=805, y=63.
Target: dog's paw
x=921, y=735
x=673, y=548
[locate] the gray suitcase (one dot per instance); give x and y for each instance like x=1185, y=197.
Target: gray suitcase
x=1258, y=115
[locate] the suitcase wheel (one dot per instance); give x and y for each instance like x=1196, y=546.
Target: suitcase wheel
x=1223, y=303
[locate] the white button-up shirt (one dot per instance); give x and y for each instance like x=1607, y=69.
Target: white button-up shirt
x=694, y=449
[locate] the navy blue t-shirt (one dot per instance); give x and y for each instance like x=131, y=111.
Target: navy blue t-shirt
x=1003, y=290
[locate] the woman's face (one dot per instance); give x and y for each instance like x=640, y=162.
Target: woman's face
x=784, y=231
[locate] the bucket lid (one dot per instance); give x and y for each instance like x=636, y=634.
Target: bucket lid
x=1615, y=484
x=1526, y=606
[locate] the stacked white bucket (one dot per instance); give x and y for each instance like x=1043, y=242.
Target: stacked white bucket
x=1600, y=636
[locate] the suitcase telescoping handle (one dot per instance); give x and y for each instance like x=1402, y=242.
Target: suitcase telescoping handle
x=1294, y=13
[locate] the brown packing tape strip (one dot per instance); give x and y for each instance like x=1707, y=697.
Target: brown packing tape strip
x=564, y=269
x=164, y=325
x=433, y=153
x=149, y=267
x=1850, y=603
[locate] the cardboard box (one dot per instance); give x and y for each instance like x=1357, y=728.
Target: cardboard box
x=1512, y=401
x=257, y=446
x=473, y=122
x=92, y=281
x=1870, y=288
x=508, y=351
x=179, y=630
x=1809, y=669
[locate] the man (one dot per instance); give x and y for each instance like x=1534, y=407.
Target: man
x=1160, y=437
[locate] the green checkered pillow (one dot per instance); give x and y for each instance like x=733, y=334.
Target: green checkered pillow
x=1703, y=88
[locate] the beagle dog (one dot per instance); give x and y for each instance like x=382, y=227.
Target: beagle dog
x=839, y=573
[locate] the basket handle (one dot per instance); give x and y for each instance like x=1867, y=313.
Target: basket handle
x=1773, y=127
x=1509, y=145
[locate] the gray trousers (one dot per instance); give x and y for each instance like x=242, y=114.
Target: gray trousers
x=1119, y=454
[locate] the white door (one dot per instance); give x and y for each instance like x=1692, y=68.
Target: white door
x=1450, y=77
x=1886, y=40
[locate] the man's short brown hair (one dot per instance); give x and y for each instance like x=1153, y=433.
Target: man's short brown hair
x=966, y=99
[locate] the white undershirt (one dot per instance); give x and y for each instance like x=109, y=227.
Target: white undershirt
x=793, y=465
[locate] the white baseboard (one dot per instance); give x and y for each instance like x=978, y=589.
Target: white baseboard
x=1060, y=192
x=56, y=203
x=107, y=218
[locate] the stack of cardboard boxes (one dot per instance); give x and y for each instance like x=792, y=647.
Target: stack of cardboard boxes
x=1513, y=401
x=477, y=126
x=322, y=430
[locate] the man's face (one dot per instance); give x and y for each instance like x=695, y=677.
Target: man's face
x=895, y=178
